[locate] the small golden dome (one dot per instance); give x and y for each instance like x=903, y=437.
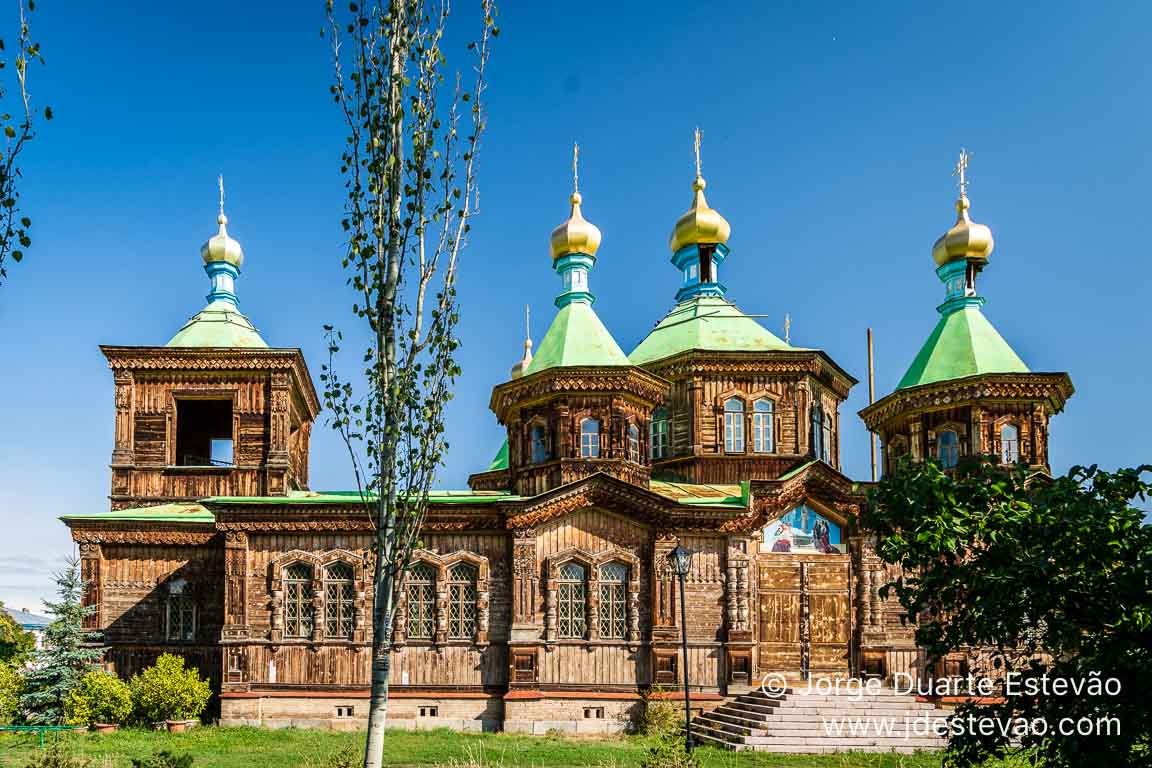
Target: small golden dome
x=966, y=240
x=700, y=224
x=221, y=247
x=576, y=234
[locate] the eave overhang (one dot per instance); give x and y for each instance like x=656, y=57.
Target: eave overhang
x=289, y=359
x=1052, y=389
x=797, y=362
x=626, y=381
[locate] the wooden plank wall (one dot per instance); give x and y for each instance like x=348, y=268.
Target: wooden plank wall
x=134, y=581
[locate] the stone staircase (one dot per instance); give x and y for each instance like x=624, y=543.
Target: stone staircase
x=797, y=721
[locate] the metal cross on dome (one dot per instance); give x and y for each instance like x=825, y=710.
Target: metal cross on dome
x=220, y=182
x=696, y=144
x=961, y=170
x=575, y=167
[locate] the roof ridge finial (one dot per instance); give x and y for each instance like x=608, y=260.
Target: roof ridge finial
x=528, y=325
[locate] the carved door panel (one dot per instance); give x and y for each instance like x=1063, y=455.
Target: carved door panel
x=803, y=615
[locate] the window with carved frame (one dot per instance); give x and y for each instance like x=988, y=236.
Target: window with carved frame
x=538, y=437
x=762, y=437
x=421, y=601
x=339, y=600
x=948, y=448
x=634, y=443
x=613, y=601
x=462, y=601
x=659, y=433
x=181, y=618
x=1009, y=444
x=571, y=601
x=298, y=607
x=733, y=425
x=590, y=439
x=826, y=439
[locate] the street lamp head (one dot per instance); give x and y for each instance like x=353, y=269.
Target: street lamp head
x=681, y=560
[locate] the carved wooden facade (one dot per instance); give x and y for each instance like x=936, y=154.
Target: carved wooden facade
x=546, y=592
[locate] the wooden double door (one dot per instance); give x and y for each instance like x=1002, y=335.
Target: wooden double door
x=805, y=623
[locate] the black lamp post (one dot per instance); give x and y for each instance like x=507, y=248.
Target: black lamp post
x=681, y=560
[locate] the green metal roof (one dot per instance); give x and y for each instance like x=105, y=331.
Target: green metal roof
x=353, y=497
x=963, y=344
x=732, y=496
x=162, y=513
x=576, y=337
x=500, y=460
x=220, y=324
x=707, y=323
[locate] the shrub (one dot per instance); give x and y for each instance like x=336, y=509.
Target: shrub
x=164, y=759
x=168, y=691
x=11, y=687
x=669, y=752
x=99, y=698
x=56, y=756
x=345, y=757
x=661, y=717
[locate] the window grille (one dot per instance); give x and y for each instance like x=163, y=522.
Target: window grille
x=462, y=601
x=339, y=600
x=421, y=596
x=298, y=608
x=571, y=603
x=613, y=601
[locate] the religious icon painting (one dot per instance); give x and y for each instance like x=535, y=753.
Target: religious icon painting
x=803, y=530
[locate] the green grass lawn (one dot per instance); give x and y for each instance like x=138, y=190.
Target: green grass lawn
x=257, y=748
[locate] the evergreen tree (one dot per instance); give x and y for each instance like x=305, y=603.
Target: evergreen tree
x=69, y=652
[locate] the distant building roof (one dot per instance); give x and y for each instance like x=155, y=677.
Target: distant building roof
x=28, y=620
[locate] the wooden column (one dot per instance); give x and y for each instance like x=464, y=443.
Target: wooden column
x=91, y=559
x=525, y=580
x=235, y=585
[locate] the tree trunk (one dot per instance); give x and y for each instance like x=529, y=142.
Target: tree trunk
x=378, y=711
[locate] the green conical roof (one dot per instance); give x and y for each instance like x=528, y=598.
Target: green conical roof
x=708, y=323
x=500, y=460
x=576, y=337
x=220, y=324
x=963, y=344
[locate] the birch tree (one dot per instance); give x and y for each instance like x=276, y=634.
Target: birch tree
x=17, y=120
x=409, y=165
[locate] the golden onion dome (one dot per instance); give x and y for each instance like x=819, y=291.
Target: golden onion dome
x=575, y=234
x=966, y=240
x=700, y=224
x=220, y=247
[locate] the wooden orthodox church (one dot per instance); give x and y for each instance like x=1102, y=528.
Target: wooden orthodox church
x=543, y=598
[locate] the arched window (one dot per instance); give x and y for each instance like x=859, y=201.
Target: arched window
x=734, y=425
x=421, y=601
x=634, y=443
x=659, y=433
x=339, y=600
x=762, y=438
x=590, y=439
x=539, y=439
x=1009, y=444
x=571, y=599
x=613, y=601
x=817, y=431
x=948, y=448
x=298, y=607
x=462, y=601
x=826, y=439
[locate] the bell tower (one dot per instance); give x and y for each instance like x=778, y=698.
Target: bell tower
x=967, y=392
x=215, y=411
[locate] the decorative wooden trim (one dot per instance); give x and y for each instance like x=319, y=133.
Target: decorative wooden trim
x=151, y=535
x=1051, y=388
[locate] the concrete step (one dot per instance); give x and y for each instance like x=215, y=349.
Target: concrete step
x=745, y=724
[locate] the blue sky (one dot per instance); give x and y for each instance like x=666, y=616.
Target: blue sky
x=830, y=130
